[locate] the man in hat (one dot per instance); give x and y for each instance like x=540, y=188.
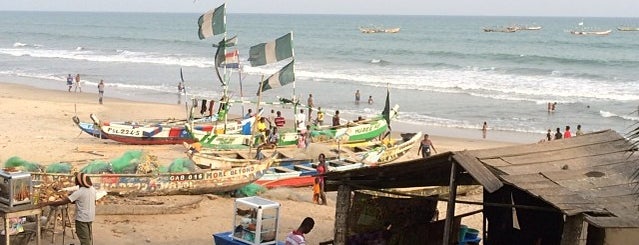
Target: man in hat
x=84, y=199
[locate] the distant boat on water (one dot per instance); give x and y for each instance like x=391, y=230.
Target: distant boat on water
x=627, y=28
x=529, y=28
x=378, y=30
x=500, y=29
x=589, y=32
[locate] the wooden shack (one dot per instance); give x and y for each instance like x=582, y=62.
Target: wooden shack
x=581, y=190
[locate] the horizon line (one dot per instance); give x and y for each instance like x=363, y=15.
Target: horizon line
x=343, y=14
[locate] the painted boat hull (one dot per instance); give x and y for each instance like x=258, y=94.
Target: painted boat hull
x=159, y=134
x=275, y=179
x=159, y=184
x=349, y=133
x=89, y=128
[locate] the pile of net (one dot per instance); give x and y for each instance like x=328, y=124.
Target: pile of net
x=131, y=162
x=18, y=163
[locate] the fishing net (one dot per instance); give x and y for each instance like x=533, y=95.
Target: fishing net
x=17, y=162
x=127, y=163
x=250, y=190
x=58, y=168
x=97, y=167
x=182, y=165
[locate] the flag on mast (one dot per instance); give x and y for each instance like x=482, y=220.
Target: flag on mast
x=212, y=23
x=386, y=111
x=271, y=52
x=231, y=60
x=284, y=76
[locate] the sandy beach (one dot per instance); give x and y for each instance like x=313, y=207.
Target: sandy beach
x=36, y=125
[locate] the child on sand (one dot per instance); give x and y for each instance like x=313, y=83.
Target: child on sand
x=316, y=191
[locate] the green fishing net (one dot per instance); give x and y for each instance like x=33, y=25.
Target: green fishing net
x=17, y=162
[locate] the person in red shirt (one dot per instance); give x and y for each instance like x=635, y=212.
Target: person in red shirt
x=279, y=120
x=567, y=133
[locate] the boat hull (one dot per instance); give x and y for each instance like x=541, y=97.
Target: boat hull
x=158, y=184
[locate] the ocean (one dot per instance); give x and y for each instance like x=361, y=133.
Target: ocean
x=443, y=71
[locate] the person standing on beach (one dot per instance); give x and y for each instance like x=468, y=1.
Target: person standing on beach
x=567, y=133
x=424, y=147
x=279, y=120
x=321, y=169
x=78, y=85
x=357, y=97
x=101, y=90
x=69, y=82
x=558, y=134
x=484, y=129
x=579, y=132
x=336, y=119
x=180, y=88
x=296, y=237
x=310, y=105
x=84, y=200
x=300, y=120
x=320, y=116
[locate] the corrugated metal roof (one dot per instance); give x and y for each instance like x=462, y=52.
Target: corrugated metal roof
x=589, y=174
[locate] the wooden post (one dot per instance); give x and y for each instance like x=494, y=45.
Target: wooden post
x=341, y=214
x=572, y=230
x=450, y=209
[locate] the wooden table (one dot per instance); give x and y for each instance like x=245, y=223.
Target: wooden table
x=19, y=211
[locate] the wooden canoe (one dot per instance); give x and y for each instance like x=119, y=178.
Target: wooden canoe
x=351, y=132
x=300, y=175
x=203, y=181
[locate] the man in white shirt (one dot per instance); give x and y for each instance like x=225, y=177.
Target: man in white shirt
x=84, y=199
x=300, y=120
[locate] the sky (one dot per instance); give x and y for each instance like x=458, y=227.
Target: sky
x=569, y=8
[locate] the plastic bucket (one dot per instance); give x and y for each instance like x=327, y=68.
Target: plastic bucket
x=462, y=232
x=471, y=234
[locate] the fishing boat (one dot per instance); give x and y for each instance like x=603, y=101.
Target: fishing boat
x=500, y=29
x=299, y=175
x=385, y=152
x=372, y=29
x=528, y=28
x=155, y=183
x=162, y=133
x=351, y=132
x=591, y=33
x=89, y=128
x=627, y=28
x=283, y=156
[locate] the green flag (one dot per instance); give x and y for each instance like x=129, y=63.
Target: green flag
x=386, y=111
x=284, y=76
x=271, y=52
x=212, y=23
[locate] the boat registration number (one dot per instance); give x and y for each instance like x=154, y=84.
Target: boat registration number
x=124, y=131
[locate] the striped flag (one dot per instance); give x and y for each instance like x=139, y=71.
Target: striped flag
x=231, y=60
x=212, y=23
x=284, y=76
x=271, y=52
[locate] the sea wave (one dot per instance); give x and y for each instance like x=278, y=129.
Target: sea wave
x=120, y=56
x=481, y=83
x=628, y=117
